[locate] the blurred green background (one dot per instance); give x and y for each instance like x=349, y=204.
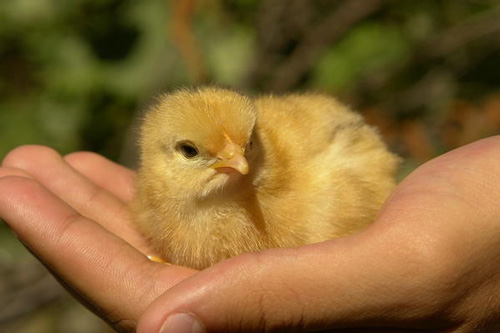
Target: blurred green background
x=74, y=73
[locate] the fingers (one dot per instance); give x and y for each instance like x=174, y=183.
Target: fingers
x=52, y=171
x=117, y=279
x=98, y=169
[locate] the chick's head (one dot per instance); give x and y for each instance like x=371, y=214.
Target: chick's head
x=197, y=142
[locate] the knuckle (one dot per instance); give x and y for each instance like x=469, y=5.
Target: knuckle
x=271, y=302
x=438, y=268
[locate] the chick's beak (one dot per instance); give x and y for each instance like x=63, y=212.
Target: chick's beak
x=231, y=159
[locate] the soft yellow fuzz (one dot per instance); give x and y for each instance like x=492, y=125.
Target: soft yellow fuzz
x=316, y=171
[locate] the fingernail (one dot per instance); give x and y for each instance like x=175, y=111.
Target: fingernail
x=182, y=323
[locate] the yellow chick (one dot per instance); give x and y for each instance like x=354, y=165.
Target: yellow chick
x=222, y=174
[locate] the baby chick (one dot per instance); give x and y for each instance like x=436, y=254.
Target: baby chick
x=222, y=174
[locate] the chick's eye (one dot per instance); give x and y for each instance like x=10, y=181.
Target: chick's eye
x=187, y=149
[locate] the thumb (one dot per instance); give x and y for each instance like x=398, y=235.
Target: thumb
x=250, y=292
x=323, y=286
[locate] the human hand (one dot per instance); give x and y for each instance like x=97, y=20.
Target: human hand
x=72, y=214
x=430, y=261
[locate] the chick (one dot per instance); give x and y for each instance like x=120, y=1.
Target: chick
x=222, y=174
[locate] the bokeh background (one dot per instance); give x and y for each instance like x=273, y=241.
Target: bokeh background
x=74, y=74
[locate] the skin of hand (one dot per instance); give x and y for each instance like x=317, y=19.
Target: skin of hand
x=222, y=174
x=428, y=263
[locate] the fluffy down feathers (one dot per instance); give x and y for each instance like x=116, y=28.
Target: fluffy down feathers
x=222, y=174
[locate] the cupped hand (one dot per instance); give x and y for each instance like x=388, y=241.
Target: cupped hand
x=429, y=262
x=72, y=214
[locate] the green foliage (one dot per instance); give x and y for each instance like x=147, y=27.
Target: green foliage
x=61, y=62
x=74, y=74
x=369, y=48
x=229, y=55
